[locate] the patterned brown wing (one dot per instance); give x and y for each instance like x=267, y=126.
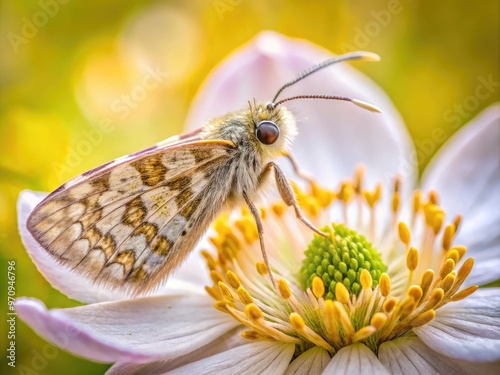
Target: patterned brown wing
x=127, y=226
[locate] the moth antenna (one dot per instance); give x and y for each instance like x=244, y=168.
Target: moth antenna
x=357, y=102
x=360, y=55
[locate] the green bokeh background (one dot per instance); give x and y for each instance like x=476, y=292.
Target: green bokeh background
x=58, y=84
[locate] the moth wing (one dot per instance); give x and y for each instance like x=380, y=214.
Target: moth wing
x=128, y=224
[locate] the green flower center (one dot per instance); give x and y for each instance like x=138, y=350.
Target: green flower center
x=340, y=258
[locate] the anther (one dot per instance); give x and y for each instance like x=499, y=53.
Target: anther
x=341, y=293
x=404, y=233
x=433, y=197
x=261, y=268
x=216, y=276
x=244, y=296
x=449, y=232
x=453, y=254
x=253, y=312
x=426, y=280
x=395, y=202
x=226, y=292
x=446, y=268
x=389, y=304
x=464, y=293
x=366, y=279
x=251, y=335
x=284, y=289
x=417, y=201
x=318, y=287
x=232, y=279
x=435, y=299
x=465, y=270
x=363, y=333
x=423, y=318
x=448, y=282
x=456, y=222
x=461, y=251
x=412, y=259
x=278, y=209
x=221, y=306
x=384, y=284
x=378, y=320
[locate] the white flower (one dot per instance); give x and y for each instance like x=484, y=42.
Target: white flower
x=414, y=321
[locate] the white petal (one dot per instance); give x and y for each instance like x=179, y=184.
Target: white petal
x=466, y=174
x=355, y=359
x=255, y=358
x=410, y=356
x=468, y=330
x=138, y=330
x=225, y=342
x=311, y=362
x=334, y=137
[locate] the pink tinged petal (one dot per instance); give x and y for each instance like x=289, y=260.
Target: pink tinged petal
x=61, y=278
x=466, y=174
x=334, y=137
x=355, y=359
x=229, y=340
x=189, y=277
x=311, y=362
x=255, y=358
x=467, y=330
x=139, y=330
x=410, y=356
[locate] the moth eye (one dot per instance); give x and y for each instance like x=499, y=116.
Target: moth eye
x=267, y=132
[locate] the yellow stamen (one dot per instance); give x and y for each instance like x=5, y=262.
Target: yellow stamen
x=456, y=222
x=213, y=293
x=251, y=335
x=318, y=287
x=404, y=233
x=395, y=202
x=449, y=232
x=461, y=251
x=446, y=268
x=426, y=280
x=464, y=293
x=417, y=201
x=378, y=320
x=389, y=304
x=216, y=277
x=415, y=292
x=341, y=293
x=363, y=333
x=244, y=296
x=448, y=282
x=366, y=279
x=299, y=325
x=346, y=192
x=384, y=284
x=341, y=315
x=221, y=306
x=435, y=299
x=226, y=292
x=278, y=209
x=232, y=279
x=412, y=259
x=253, y=312
x=284, y=289
x=261, y=268
x=423, y=318
x=433, y=197
x=453, y=254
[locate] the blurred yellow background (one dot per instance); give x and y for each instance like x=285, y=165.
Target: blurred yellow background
x=68, y=69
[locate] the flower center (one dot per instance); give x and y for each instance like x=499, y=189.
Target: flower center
x=340, y=290
x=340, y=258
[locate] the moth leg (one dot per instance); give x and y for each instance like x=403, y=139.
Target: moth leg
x=288, y=196
x=260, y=230
x=299, y=172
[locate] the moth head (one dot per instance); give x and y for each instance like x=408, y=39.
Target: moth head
x=274, y=129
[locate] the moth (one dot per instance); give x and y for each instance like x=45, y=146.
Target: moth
x=129, y=223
